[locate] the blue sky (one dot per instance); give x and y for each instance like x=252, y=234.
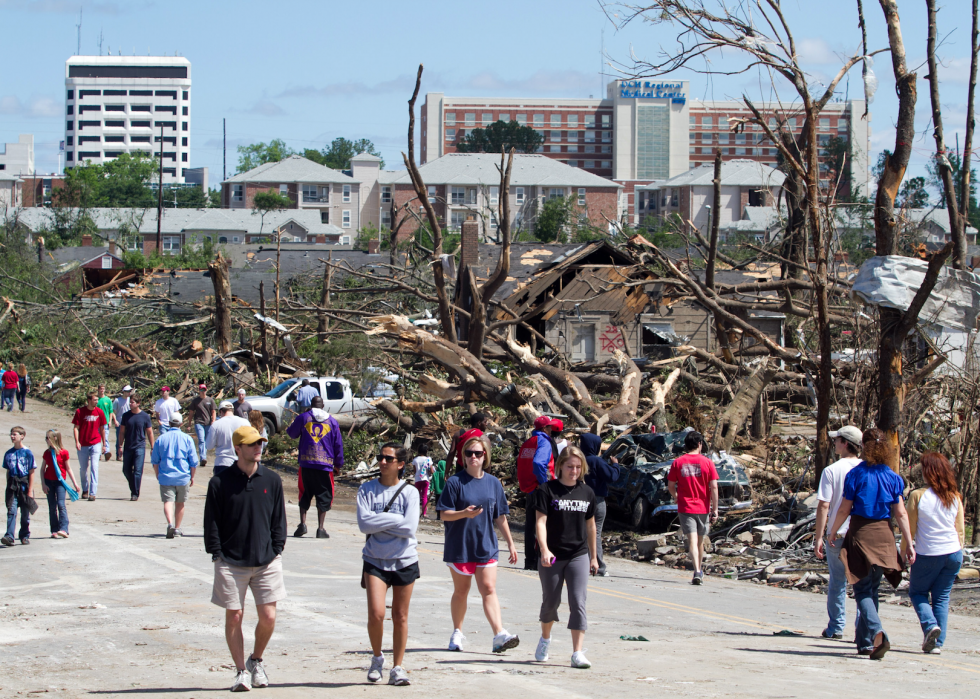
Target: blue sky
x=310, y=71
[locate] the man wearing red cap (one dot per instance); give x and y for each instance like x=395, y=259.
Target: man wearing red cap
x=557, y=427
x=535, y=466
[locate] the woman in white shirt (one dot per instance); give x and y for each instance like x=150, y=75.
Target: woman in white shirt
x=936, y=524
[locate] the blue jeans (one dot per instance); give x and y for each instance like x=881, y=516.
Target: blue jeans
x=164, y=429
x=88, y=465
x=118, y=445
x=133, y=468
x=866, y=596
x=25, y=520
x=933, y=575
x=7, y=399
x=202, y=435
x=836, y=589
x=57, y=512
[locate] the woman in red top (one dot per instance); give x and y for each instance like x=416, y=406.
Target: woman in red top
x=55, y=486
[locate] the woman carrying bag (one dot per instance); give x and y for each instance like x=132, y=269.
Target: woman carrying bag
x=388, y=512
x=56, y=468
x=936, y=525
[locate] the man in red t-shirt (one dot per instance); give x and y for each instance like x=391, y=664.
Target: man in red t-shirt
x=693, y=482
x=89, y=425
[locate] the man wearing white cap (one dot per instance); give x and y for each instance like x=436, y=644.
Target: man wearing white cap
x=175, y=460
x=120, y=406
x=219, y=437
x=847, y=445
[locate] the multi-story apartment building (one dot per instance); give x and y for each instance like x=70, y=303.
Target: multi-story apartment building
x=124, y=104
x=641, y=132
x=18, y=158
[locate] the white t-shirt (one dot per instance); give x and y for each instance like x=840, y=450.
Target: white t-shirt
x=423, y=468
x=120, y=406
x=935, y=528
x=219, y=439
x=561, y=444
x=166, y=408
x=832, y=489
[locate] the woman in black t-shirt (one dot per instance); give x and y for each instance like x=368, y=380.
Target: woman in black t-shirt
x=565, y=529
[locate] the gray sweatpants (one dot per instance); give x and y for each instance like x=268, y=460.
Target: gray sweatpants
x=574, y=574
x=600, y=518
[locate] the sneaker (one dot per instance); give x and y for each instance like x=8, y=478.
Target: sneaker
x=91, y=498
x=25, y=541
x=698, y=578
x=377, y=668
x=133, y=498
x=171, y=533
x=603, y=573
x=7, y=541
x=398, y=677
x=938, y=650
x=300, y=530
x=243, y=682
x=929, y=642
x=322, y=534
x=879, y=651
x=180, y=532
x=541, y=652
x=455, y=641
x=832, y=636
x=505, y=641
x=259, y=678
x=865, y=651
x=579, y=660
x=84, y=495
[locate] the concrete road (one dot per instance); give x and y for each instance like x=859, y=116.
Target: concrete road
x=118, y=610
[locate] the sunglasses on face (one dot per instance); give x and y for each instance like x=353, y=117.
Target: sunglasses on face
x=386, y=457
x=475, y=454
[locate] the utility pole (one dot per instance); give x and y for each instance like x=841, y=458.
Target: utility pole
x=224, y=149
x=160, y=196
x=78, y=27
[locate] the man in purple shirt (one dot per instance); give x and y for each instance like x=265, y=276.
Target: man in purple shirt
x=321, y=449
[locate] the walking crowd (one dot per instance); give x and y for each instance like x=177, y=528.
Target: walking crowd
x=565, y=486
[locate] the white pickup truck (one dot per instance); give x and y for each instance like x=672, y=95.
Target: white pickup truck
x=278, y=406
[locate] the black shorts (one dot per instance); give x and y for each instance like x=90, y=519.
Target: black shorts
x=316, y=484
x=394, y=578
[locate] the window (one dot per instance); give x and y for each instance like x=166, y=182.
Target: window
x=458, y=196
x=706, y=138
x=607, y=164
x=605, y=149
x=740, y=139
x=284, y=190
x=325, y=216
x=456, y=219
x=70, y=156
x=238, y=193
x=589, y=164
x=842, y=125
x=386, y=217
x=607, y=136
x=168, y=109
x=432, y=194
x=89, y=139
x=235, y=239
x=471, y=118
x=114, y=139
x=573, y=120
x=139, y=107
x=70, y=140
x=554, y=149
x=183, y=126
x=722, y=138
x=71, y=110
x=571, y=136
x=450, y=118
x=71, y=94
x=539, y=119
x=346, y=193
x=554, y=135
x=386, y=194
x=137, y=124
x=311, y=193
x=494, y=195
x=185, y=95
x=82, y=94
x=571, y=163
x=519, y=196
x=555, y=120
x=556, y=193
x=606, y=120
x=167, y=124
x=171, y=244
x=590, y=121
x=450, y=134
x=573, y=149
x=471, y=196
x=89, y=108
x=139, y=139
x=115, y=107
x=183, y=141
x=739, y=151
x=487, y=118
x=590, y=136
x=346, y=218
x=106, y=262
x=825, y=123
x=345, y=240
x=504, y=118
x=522, y=119
x=581, y=196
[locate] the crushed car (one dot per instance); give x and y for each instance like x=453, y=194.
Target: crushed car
x=640, y=496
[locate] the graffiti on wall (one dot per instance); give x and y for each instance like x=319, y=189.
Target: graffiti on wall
x=611, y=339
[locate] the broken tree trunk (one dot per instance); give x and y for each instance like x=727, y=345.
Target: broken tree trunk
x=660, y=392
x=322, y=322
x=222, y=302
x=741, y=407
x=624, y=411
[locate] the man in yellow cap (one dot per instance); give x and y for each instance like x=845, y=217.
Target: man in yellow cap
x=245, y=533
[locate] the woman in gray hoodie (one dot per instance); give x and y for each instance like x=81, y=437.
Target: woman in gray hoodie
x=388, y=512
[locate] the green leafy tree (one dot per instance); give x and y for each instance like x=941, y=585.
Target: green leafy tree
x=340, y=151
x=126, y=179
x=256, y=154
x=501, y=135
x=913, y=194
x=190, y=198
x=934, y=181
x=265, y=203
x=838, y=157
x=554, y=219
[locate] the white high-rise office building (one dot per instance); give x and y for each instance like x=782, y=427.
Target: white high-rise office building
x=118, y=104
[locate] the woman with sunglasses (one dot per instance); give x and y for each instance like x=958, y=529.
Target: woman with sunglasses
x=388, y=512
x=471, y=504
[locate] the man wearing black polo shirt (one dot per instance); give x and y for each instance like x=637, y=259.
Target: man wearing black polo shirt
x=245, y=532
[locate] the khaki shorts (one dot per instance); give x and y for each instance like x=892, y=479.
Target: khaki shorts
x=694, y=524
x=173, y=493
x=231, y=582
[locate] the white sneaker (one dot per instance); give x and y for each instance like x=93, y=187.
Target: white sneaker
x=243, y=682
x=505, y=641
x=541, y=652
x=938, y=650
x=398, y=677
x=456, y=640
x=377, y=668
x=580, y=661
x=259, y=678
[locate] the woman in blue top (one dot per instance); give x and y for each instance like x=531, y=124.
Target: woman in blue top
x=471, y=504
x=872, y=495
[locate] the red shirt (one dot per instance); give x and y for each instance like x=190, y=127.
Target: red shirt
x=90, y=424
x=10, y=379
x=49, y=473
x=693, y=474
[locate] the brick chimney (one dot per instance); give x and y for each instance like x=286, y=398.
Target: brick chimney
x=470, y=244
x=374, y=246
x=321, y=238
x=86, y=241
x=112, y=247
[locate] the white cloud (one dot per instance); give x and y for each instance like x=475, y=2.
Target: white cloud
x=35, y=107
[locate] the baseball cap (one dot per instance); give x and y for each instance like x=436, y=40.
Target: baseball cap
x=165, y=388
x=850, y=433
x=202, y=385
x=558, y=424
x=176, y=419
x=541, y=422
x=127, y=388
x=247, y=435
x=226, y=405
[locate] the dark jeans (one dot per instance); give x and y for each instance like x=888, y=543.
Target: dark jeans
x=866, y=596
x=57, y=512
x=22, y=399
x=600, y=517
x=530, y=540
x=25, y=520
x=133, y=469
x=7, y=398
